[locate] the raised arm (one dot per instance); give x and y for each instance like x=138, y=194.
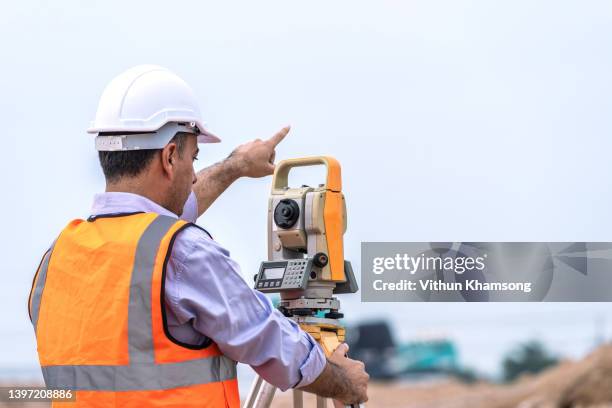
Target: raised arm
x=252, y=159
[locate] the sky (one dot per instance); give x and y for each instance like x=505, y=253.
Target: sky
x=453, y=121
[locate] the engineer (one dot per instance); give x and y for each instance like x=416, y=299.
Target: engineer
x=137, y=306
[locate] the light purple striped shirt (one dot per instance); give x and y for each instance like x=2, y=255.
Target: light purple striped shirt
x=205, y=295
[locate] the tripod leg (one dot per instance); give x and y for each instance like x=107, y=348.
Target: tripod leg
x=260, y=395
x=298, y=401
x=255, y=386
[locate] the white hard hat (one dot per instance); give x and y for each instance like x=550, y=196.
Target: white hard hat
x=143, y=108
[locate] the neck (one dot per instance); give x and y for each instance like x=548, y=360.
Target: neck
x=137, y=186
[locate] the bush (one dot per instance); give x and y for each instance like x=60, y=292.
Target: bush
x=531, y=357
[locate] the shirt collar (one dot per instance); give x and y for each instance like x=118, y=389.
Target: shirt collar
x=119, y=202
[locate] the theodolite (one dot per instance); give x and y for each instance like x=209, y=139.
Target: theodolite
x=306, y=262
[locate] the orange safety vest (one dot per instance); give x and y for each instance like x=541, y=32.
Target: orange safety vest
x=97, y=306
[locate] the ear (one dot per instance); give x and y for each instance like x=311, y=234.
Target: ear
x=169, y=157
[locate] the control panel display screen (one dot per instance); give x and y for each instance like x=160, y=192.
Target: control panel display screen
x=276, y=276
x=273, y=273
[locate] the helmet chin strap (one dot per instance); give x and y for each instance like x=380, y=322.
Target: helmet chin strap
x=143, y=141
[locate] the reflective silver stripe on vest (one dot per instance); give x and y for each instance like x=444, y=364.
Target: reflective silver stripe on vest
x=140, y=376
x=142, y=373
x=140, y=332
x=40, y=284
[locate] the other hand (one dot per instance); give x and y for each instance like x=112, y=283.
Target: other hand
x=355, y=373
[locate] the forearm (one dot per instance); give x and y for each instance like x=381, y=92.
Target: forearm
x=214, y=180
x=333, y=382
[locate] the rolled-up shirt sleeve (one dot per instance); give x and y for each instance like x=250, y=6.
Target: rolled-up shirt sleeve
x=207, y=291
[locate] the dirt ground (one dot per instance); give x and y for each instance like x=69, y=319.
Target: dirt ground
x=585, y=383
x=571, y=384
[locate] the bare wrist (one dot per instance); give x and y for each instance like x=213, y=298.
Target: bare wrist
x=344, y=385
x=331, y=383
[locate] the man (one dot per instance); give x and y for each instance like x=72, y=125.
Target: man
x=135, y=307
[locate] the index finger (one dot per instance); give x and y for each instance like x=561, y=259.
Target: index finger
x=279, y=136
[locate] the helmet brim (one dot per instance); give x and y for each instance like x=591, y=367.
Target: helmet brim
x=206, y=137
